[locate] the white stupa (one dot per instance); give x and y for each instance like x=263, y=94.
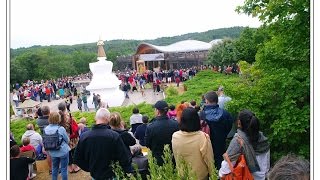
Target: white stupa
x=104, y=82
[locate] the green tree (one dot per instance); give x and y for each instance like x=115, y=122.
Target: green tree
x=248, y=43
x=223, y=53
x=283, y=88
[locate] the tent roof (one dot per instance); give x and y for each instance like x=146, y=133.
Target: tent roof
x=181, y=46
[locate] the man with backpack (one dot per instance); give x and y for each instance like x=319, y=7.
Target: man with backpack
x=220, y=123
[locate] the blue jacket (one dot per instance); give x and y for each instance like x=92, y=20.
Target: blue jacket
x=51, y=129
x=220, y=123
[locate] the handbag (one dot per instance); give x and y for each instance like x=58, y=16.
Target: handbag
x=240, y=171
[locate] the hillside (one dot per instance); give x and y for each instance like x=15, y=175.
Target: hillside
x=126, y=47
x=47, y=62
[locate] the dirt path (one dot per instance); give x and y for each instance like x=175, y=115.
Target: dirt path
x=81, y=175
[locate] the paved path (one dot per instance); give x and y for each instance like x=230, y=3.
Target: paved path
x=134, y=98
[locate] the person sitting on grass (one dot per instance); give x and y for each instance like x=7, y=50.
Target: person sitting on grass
x=18, y=165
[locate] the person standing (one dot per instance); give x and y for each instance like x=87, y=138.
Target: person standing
x=95, y=101
x=15, y=98
x=79, y=102
x=220, y=123
x=222, y=99
x=43, y=121
x=59, y=157
x=85, y=102
x=192, y=145
x=141, y=130
x=48, y=93
x=98, y=161
x=159, y=131
x=71, y=127
x=255, y=147
x=135, y=119
x=19, y=169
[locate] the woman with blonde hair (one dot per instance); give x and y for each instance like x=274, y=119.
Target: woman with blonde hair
x=61, y=156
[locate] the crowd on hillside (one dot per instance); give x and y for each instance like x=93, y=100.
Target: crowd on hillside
x=196, y=133
x=131, y=81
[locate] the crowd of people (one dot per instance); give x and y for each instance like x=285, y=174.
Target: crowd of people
x=197, y=133
x=180, y=126
x=131, y=81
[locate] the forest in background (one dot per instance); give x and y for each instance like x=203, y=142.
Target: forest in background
x=47, y=62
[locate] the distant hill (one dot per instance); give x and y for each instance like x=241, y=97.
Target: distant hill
x=127, y=47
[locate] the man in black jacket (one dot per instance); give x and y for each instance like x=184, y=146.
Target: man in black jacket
x=99, y=147
x=159, y=131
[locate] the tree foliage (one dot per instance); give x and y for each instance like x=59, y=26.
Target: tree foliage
x=45, y=62
x=282, y=90
x=224, y=53
x=243, y=48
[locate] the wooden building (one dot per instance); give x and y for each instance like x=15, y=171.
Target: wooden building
x=182, y=54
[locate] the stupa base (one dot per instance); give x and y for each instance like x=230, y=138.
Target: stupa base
x=112, y=97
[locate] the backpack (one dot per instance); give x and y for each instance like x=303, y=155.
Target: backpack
x=205, y=127
x=240, y=170
x=51, y=142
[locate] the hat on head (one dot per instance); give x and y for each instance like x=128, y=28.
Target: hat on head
x=161, y=105
x=211, y=96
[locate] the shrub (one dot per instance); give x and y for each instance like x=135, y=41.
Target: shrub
x=171, y=91
x=18, y=127
x=167, y=171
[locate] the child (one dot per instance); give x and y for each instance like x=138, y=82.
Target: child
x=82, y=126
x=172, y=113
x=26, y=145
x=19, y=165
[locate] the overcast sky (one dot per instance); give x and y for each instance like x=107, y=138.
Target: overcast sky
x=67, y=22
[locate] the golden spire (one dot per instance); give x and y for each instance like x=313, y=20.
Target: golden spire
x=100, y=45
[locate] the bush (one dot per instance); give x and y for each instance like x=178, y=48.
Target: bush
x=171, y=91
x=18, y=127
x=167, y=171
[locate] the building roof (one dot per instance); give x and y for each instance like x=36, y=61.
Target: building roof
x=181, y=46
